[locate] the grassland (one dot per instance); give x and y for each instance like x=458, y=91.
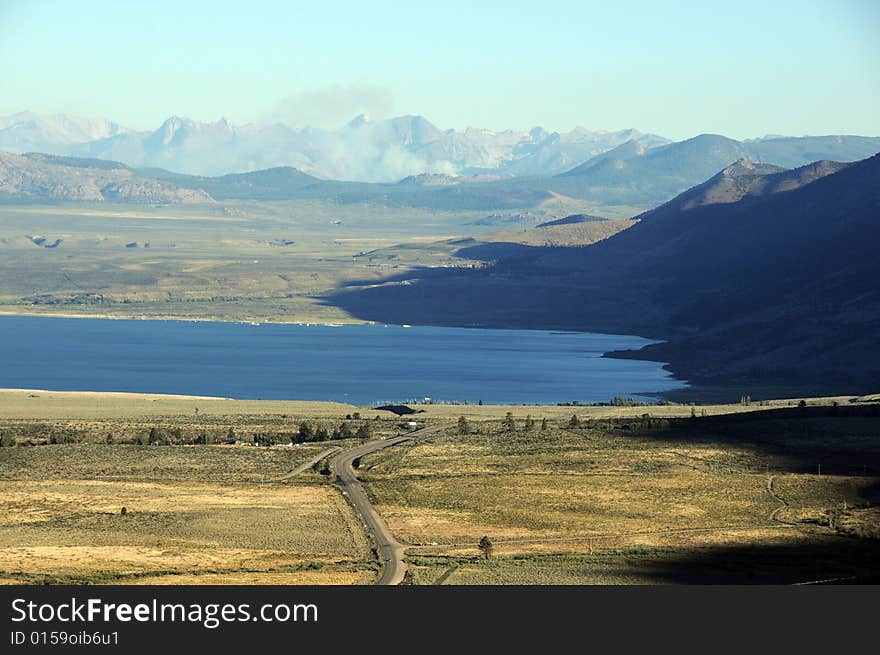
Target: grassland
x=192, y=514
x=30, y=405
x=641, y=494
x=639, y=500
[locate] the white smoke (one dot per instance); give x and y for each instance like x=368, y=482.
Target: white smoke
x=333, y=106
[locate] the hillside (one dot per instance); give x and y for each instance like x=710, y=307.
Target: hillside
x=45, y=177
x=775, y=287
x=274, y=183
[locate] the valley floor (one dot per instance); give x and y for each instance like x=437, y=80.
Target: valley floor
x=773, y=493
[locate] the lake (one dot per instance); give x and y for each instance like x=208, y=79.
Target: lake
x=359, y=364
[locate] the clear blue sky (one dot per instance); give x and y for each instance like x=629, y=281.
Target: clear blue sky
x=741, y=68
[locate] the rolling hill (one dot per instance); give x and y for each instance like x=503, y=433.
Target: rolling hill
x=46, y=177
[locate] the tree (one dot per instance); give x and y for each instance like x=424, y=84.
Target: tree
x=508, y=424
x=306, y=432
x=574, y=422
x=344, y=431
x=530, y=423
x=321, y=434
x=463, y=426
x=6, y=440
x=364, y=431
x=485, y=547
x=543, y=425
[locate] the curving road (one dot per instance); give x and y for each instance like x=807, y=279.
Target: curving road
x=391, y=552
x=774, y=515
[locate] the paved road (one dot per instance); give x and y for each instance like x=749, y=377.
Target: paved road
x=391, y=552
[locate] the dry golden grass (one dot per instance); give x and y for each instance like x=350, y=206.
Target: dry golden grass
x=586, y=412
x=560, y=485
x=47, y=405
x=233, y=465
x=323, y=577
x=58, y=527
x=596, y=504
x=603, y=504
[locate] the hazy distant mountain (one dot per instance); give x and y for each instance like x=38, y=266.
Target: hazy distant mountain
x=634, y=174
x=472, y=168
x=775, y=286
x=625, y=166
x=48, y=177
x=363, y=150
x=54, y=133
x=791, y=152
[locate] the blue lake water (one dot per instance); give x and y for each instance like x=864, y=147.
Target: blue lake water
x=360, y=364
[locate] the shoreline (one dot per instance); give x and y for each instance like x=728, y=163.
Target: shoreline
x=343, y=321
x=183, y=319
x=130, y=395
x=138, y=395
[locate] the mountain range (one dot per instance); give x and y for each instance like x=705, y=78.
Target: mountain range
x=758, y=276
x=363, y=150
x=630, y=174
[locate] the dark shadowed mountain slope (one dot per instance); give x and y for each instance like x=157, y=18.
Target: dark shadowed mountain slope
x=777, y=287
x=744, y=179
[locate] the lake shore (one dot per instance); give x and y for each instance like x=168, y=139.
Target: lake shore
x=183, y=319
x=36, y=404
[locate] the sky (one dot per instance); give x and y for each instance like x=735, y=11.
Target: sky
x=744, y=69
